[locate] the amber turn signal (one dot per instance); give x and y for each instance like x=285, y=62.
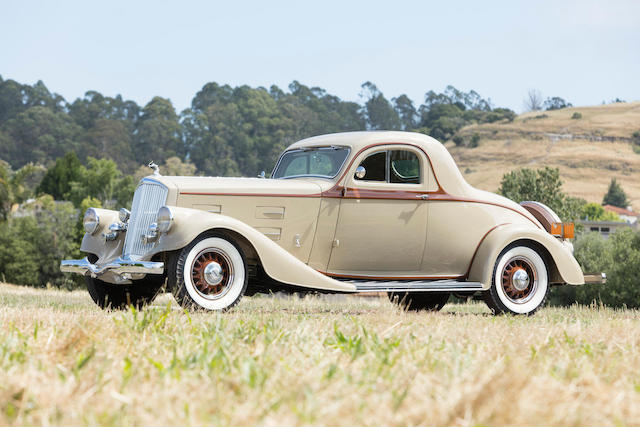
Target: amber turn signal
x=566, y=230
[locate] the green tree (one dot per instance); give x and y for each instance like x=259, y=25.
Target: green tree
x=68, y=179
x=37, y=135
x=615, y=195
x=110, y=139
x=236, y=131
x=172, y=167
x=31, y=246
x=442, y=115
x=595, y=212
x=406, y=112
x=556, y=103
x=18, y=186
x=102, y=180
x=542, y=185
x=158, y=133
x=378, y=110
x=58, y=179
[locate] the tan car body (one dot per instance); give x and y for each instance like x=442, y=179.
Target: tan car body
x=315, y=232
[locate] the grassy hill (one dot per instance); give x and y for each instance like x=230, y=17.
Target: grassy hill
x=589, y=151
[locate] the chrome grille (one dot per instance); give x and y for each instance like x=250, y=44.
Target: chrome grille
x=148, y=198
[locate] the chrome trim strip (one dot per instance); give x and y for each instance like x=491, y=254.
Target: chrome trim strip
x=417, y=286
x=118, y=266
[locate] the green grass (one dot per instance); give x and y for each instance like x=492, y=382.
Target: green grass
x=327, y=361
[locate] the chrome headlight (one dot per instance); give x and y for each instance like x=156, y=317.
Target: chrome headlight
x=91, y=221
x=124, y=215
x=164, y=219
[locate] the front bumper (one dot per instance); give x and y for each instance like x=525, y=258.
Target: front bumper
x=118, y=266
x=595, y=278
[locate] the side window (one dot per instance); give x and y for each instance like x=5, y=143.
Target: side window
x=375, y=166
x=404, y=167
x=393, y=166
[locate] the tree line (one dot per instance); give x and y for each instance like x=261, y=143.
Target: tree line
x=226, y=130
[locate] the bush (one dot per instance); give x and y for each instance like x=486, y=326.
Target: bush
x=576, y=116
x=595, y=212
x=542, y=185
x=458, y=140
x=475, y=140
x=635, y=142
x=619, y=258
x=31, y=246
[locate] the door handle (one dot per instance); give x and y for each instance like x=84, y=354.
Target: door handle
x=423, y=196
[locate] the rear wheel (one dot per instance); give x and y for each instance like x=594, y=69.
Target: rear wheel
x=520, y=282
x=433, y=301
x=211, y=274
x=117, y=297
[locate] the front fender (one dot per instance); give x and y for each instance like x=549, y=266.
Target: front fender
x=563, y=268
x=95, y=243
x=277, y=262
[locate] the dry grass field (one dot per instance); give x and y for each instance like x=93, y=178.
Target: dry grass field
x=325, y=361
x=588, y=151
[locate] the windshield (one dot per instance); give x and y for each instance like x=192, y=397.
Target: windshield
x=323, y=162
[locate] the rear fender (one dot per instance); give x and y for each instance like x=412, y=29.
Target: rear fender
x=563, y=267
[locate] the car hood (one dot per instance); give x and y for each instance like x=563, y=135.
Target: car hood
x=240, y=186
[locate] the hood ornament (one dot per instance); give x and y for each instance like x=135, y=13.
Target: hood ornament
x=156, y=169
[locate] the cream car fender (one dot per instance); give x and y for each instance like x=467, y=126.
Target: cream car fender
x=278, y=263
x=95, y=243
x=563, y=267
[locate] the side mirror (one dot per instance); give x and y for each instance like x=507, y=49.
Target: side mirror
x=262, y=175
x=360, y=172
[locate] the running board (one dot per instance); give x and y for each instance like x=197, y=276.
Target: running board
x=416, y=286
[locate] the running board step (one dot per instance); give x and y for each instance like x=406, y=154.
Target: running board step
x=416, y=286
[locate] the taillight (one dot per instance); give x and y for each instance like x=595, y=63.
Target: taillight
x=566, y=230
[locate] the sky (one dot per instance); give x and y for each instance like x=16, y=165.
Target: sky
x=586, y=51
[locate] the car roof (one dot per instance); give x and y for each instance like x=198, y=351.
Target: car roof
x=362, y=139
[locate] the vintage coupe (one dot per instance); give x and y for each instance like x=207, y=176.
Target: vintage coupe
x=341, y=213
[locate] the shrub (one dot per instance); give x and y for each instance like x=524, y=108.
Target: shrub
x=635, y=142
x=458, y=140
x=619, y=258
x=576, y=116
x=595, y=212
x=32, y=246
x=475, y=140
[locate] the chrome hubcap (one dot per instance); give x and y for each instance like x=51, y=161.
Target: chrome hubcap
x=213, y=273
x=520, y=280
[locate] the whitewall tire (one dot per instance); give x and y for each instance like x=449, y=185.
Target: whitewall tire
x=211, y=274
x=520, y=283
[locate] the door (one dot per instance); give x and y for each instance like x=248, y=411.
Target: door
x=382, y=222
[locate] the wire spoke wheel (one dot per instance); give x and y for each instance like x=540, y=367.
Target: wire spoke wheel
x=212, y=273
x=519, y=280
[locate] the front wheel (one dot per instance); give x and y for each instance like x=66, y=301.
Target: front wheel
x=116, y=297
x=210, y=273
x=520, y=282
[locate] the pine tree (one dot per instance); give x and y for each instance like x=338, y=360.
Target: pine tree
x=615, y=196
